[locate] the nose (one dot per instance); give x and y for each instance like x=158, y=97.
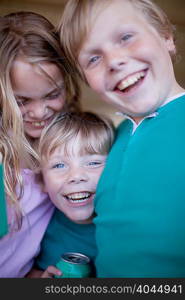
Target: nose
x=77, y=176
x=38, y=109
x=116, y=60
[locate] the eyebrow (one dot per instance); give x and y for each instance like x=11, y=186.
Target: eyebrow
x=21, y=97
x=54, y=89
x=56, y=157
x=88, y=51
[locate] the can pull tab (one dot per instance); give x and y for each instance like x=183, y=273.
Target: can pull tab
x=75, y=259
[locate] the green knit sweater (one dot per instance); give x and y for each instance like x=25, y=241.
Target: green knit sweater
x=140, y=202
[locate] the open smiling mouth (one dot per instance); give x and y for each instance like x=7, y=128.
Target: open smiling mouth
x=81, y=197
x=131, y=82
x=39, y=124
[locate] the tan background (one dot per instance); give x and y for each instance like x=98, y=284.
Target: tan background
x=52, y=9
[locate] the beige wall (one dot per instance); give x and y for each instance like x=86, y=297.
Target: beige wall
x=52, y=9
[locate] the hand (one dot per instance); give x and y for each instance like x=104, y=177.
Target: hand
x=34, y=273
x=50, y=272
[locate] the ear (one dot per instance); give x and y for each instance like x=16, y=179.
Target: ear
x=170, y=45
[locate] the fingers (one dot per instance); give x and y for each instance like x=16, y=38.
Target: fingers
x=50, y=272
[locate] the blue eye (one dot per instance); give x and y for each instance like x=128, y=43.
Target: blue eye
x=93, y=59
x=126, y=37
x=59, y=166
x=94, y=163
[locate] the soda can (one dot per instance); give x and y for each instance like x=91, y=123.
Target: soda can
x=74, y=265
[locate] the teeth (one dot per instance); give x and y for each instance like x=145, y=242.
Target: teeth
x=38, y=124
x=130, y=81
x=78, y=196
x=78, y=201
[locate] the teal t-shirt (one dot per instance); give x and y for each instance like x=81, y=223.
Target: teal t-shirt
x=63, y=235
x=140, y=200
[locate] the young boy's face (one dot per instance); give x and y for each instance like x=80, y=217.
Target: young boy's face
x=126, y=61
x=71, y=179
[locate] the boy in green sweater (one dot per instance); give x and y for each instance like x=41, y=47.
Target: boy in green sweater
x=123, y=49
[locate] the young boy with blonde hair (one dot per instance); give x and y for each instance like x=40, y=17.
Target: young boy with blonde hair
x=72, y=151
x=124, y=50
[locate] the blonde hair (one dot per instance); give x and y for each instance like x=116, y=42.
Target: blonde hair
x=32, y=37
x=96, y=134
x=77, y=20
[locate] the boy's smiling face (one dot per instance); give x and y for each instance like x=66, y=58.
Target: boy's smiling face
x=70, y=179
x=127, y=62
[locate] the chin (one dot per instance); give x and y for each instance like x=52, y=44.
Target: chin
x=82, y=219
x=33, y=136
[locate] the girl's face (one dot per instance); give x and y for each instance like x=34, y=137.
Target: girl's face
x=39, y=92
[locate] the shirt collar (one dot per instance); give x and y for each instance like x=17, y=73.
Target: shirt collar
x=135, y=125
x=152, y=115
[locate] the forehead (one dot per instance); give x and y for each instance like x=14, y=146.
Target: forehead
x=26, y=77
x=71, y=147
x=109, y=18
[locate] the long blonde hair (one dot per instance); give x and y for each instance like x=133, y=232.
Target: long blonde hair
x=32, y=36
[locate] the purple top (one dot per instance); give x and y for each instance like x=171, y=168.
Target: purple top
x=18, y=248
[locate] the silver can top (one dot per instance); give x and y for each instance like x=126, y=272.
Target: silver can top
x=75, y=258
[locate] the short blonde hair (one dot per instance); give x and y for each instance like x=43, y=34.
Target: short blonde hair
x=77, y=20
x=96, y=134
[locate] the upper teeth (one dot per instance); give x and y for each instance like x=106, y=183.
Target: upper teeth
x=131, y=80
x=38, y=124
x=78, y=195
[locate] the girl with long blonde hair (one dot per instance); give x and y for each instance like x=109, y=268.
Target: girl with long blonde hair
x=35, y=85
